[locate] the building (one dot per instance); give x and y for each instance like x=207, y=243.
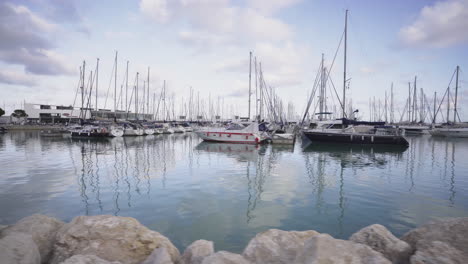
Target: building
x=42, y=113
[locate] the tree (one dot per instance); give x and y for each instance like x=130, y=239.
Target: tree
x=2, y=112
x=18, y=113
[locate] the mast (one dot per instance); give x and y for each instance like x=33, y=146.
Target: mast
x=82, y=91
x=321, y=95
x=435, y=100
x=415, y=102
x=256, y=91
x=127, y=107
x=250, y=81
x=344, y=71
x=97, y=78
x=386, y=112
x=136, y=97
x=164, y=99
x=409, y=102
x=391, y=105
x=448, y=104
x=456, y=95
x=147, y=92
x=115, y=88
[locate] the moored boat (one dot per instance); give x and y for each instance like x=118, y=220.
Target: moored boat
x=234, y=133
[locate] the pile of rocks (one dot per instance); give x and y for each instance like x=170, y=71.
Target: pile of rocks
x=108, y=239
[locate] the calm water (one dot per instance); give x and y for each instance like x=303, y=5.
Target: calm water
x=227, y=193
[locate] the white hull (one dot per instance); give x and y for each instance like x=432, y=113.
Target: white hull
x=230, y=137
x=133, y=132
x=167, y=131
x=449, y=132
x=149, y=131
x=116, y=132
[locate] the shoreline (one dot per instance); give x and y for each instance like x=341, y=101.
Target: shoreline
x=103, y=239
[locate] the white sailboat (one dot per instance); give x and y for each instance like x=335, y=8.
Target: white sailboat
x=234, y=133
x=454, y=129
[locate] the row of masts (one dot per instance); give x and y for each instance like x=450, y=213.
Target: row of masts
x=418, y=108
x=150, y=105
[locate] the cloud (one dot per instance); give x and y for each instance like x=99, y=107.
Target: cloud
x=210, y=22
x=271, y=6
x=24, y=41
x=441, y=25
x=17, y=78
x=367, y=70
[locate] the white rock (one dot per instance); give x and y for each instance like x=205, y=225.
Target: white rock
x=452, y=231
x=323, y=248
x=224, y=257
x=111, y=238
x=438, y=252
x=159, y=256
x=87, y=259
x=18, y=248
x=42, y=229
x=380, y=239
x=276, y=246
x=197, y=251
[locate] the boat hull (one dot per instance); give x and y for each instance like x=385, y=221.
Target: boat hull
x=228, y=137
x=355, y=138
x=449, y=132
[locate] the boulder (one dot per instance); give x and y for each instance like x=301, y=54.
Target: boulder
x=159, y=256
x=438, y=252
x=197, y=251
x=276, y=246
x=111, y=238
x=323, y=248
x=19, y=248
x=451, y=231
x=87, y=259
x=42, y=229
x=224, y=257
x=380, y=239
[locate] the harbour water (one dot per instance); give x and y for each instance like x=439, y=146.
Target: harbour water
x=188, y=190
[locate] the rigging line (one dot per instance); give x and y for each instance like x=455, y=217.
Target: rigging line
x=446, y=92
x=110, y=83
x=312, y=95
x=131, y=97
x=76, y=95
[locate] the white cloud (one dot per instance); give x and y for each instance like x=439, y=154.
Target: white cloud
x=17, y=78
x=271, y=6
x=440, y=25
x=214, y=20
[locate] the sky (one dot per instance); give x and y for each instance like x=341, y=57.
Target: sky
x=205, y=44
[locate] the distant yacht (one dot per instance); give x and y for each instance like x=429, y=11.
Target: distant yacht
x=247, y=133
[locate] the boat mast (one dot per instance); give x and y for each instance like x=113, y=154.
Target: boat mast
x=344, y=72
x=456, y=95
x=82, y=92
x=415, y=102
x=136, y=97
x=97, y=78
x=127, y=107
x=115, y=88
x=250, y=80
x=147, y=92
x=322, y=84
x=391, y=105
x=256, y=89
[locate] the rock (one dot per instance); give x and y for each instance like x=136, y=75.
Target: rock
x=380, y=239
x=42, y=229
x=224, y=257
x=159, y=256
x=323, y=248
x=197, y=251
x=451, y=231
x=276, y=246
x=19, y=248
x=438, y=252
x=111, y=238
x=87, y=259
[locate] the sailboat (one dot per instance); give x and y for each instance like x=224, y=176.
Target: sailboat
x=451, y=129
x=351, y=131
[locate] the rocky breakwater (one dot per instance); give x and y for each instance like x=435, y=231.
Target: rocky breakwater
x=107, y=239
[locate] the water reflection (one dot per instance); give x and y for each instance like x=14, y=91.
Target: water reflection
x=226, y=193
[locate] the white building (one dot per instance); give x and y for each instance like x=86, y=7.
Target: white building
x=54, y=113
x=60, y=114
